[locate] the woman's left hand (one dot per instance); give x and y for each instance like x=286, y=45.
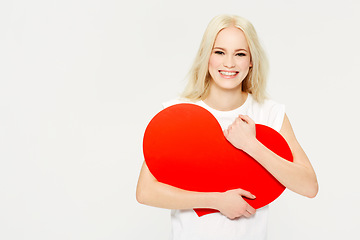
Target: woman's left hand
x=241, y=133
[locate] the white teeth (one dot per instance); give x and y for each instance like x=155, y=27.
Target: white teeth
x=228, y=73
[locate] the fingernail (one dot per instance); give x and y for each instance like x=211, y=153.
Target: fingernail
x=253, y=196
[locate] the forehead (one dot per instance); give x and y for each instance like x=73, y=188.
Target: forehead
x=232, y=38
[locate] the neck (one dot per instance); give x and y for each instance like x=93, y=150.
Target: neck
x=225, y=100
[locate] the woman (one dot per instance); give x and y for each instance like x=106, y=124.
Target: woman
x=228, y=78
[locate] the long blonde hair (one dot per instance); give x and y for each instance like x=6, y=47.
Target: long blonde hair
x=199, y=77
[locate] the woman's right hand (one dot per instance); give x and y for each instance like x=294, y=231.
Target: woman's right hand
x=232, y=205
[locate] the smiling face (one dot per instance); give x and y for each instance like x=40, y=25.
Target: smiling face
x=230, y=59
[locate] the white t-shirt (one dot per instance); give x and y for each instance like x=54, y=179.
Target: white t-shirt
x=186, y=225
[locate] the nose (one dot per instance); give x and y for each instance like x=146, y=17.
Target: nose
x=229, y=61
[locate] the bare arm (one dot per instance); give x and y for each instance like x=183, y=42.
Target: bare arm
x=151, y=192
x=298, y=176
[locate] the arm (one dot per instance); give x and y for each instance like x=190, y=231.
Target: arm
x=151, y=192
x=298, y=176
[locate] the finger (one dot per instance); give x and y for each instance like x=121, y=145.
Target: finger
x=247, y=214
x=238, y=120
x=226, y=133
x=247, y=119
x=251, y=210
x=246, y=194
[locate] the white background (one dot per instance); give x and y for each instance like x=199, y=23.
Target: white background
x=80, y=80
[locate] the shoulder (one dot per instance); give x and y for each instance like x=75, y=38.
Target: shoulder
x=267, y=105
x=270, y=112
x=273, y=107
x=175, y=101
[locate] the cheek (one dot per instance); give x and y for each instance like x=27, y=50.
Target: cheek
x=244, y=62
x=214, y=62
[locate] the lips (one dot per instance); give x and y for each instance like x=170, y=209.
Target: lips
x=228, y=74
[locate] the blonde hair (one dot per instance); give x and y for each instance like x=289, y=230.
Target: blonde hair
x=199, y=77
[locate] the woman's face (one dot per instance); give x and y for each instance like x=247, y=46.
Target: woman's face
x=230, y=59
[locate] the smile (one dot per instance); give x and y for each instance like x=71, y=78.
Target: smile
x=228, y=73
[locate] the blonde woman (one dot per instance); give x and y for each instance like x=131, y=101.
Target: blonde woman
x=228, y=78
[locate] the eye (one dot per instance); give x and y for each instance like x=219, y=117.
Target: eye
x=241, y=54
x=219, y=52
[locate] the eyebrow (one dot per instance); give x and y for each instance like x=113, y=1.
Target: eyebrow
x=237, y=50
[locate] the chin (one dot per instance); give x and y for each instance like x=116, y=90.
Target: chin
x=229, y=86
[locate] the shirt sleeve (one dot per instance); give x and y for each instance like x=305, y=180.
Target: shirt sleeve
x=276, y=116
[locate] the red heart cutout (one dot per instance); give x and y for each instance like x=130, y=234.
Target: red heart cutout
x=184, y=146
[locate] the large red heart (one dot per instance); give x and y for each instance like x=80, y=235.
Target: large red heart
x=184, y=146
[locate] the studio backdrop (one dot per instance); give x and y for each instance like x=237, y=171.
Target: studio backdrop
x=80, y=80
